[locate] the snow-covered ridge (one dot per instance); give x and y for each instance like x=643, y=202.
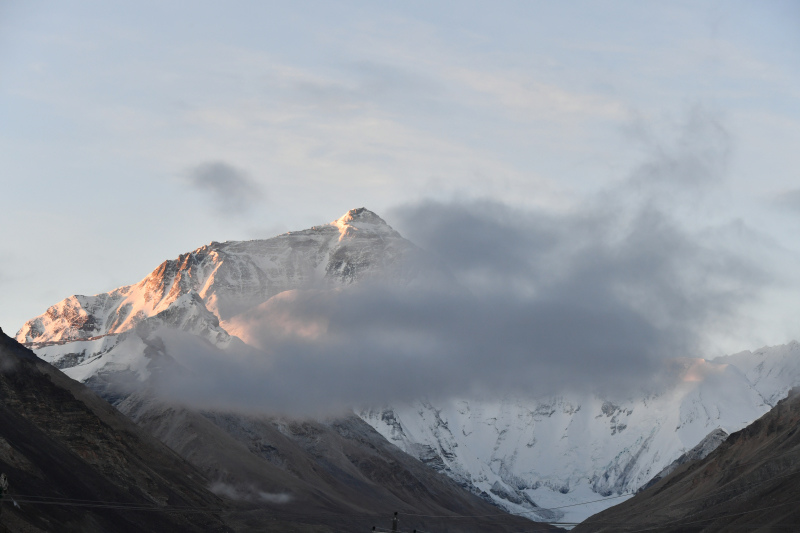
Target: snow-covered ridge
x=773, y=370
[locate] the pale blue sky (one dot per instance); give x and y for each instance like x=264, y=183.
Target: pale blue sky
x=106, y=108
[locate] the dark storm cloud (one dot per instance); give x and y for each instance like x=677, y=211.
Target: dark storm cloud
x=597, y=297
x=230, y=189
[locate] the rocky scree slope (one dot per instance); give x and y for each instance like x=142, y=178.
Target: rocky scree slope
x=63, y=449
x=316, y=472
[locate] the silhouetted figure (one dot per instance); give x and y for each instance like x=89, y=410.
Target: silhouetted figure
x=394, y=522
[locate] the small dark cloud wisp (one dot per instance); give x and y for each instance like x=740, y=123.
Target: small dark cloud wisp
x=789, y=200
x=230, y=189
x=694, y=156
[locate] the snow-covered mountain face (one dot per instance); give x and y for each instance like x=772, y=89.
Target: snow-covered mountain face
x=540, y=457
x=532, y=456
x=559, y=451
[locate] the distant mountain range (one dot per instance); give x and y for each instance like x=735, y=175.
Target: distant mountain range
x=536, y=457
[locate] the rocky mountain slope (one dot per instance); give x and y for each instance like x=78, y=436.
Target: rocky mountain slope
x=65, y=451
x=751, y=482
x=329, y=472
x=531, y=455
x=699, y=452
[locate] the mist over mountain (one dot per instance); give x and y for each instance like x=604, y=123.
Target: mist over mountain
x=484, y=298
x=522, y=301
x=498, y=302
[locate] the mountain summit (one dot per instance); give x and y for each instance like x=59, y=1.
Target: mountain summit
x=362, y=222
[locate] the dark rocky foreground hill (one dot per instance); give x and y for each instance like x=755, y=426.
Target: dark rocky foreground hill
x=751, y=482
x=75, y=463
x=64, y=450
x=325, y=473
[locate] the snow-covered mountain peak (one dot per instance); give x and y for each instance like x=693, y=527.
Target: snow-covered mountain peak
x=525, y=454
x=361, y=221
x=234, y=276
